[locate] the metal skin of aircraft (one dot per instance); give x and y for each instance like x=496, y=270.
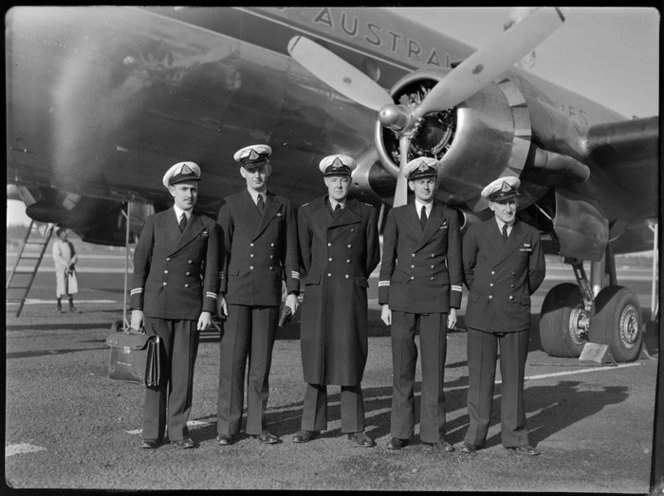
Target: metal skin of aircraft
x=101, y=100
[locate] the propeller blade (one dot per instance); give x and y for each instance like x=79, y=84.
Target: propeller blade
x=401, y=191
x=488, y=63
x=338, y=73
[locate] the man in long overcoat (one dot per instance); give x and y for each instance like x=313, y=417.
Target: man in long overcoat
x=420, y=289
x=260, y=245
x=339, y=248
x=503, y=265
x=174, y=293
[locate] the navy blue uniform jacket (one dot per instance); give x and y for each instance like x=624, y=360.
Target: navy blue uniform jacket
x=176, y=274
x=501, y=277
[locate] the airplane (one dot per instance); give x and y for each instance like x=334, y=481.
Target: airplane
x=101, y=100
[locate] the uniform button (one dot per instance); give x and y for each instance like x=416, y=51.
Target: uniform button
x=165, y=283
x=513, y=273
x=352, y=230
x=186, y=285
x=432, y=255
x=349, y=246
x=188, y=274
x=189, y=261
x=271, y=257
x=166, y=271
x=412, y=266
x=413, y=255
x=251, y=267
x=329, y=259
x=433, y=266
x=329, y=275
x=493, y=272
x=271, y=268
x=329, y=244
x=491, y=297
x=251, y=244
x=251, y=255
x=412, y=277
x=511, y=297
x=490, y=284
x=511, y=285
x=271, y=244
x=168, y=259
x=348, y=260
x=432, y=278
x=347, y=276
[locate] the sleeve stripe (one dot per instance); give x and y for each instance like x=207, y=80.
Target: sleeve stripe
x=295, y=275
x=383, y=283
x=456, y=288
x=136, y=291
x=210, y=294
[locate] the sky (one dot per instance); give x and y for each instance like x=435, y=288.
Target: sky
x=607, y=54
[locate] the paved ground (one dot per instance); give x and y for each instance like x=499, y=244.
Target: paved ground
x=68, y=426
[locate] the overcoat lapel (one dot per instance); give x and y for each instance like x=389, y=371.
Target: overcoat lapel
x=348, y=215
x=272, y=208
x=170, y=224
x=496, y=238
x=412, y=221
x=193, y=229
x=433, y=225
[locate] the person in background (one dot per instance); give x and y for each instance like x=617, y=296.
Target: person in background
x=174, y=296
x=420, y=289
x=339, y=248
x=65, y=258
x=503, y=265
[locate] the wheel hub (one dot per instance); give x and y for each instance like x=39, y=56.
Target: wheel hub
x=629, y=326
x=579, y=324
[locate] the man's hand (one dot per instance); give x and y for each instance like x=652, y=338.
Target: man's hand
x=204, y=321
x=452, y=319
x=137, y=319
x=386, y=315
x=223, y=307
x=292, y=302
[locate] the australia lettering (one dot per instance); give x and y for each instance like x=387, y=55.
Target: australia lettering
x=379, y=37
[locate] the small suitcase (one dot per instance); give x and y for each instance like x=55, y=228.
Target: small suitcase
x=134, y=357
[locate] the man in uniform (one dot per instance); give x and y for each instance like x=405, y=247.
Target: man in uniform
x=503, y=265
x=420, y=287
x=339, y=248
x=175, y=284
x=260, y=240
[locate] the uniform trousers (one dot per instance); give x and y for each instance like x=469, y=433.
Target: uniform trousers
x=249, y=332
x=482, y=355
x=433, y=347
x=179, y=346
x=314, y=415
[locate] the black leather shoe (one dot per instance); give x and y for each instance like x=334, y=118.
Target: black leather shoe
x=362, y=439
x=442, y=446
x=185, y=443
x=150, y=444
x=468, y=448
x=304, y=436
x=396, y=443
x=524, y=450
x=266, y=438
x=224, y=440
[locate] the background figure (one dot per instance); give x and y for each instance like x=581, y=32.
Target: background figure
x=503, y=265
x=175, y=285
x=420, y=289
x=339, y=248
x=64, y=257
x=260, y=251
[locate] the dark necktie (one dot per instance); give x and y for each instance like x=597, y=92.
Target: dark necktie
x=183, y=222
x=504, y=233
x=423, y=217
x=260, y=204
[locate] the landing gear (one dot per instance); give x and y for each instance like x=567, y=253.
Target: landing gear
x=564, y=323
x=571, y=315
x=617, y=322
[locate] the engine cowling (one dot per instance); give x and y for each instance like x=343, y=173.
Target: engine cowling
x=475, y=142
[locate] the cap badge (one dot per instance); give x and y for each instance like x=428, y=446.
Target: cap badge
x=253, y=155
x=337, y=163
x=185, y=169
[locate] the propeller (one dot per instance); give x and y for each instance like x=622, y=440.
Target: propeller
x=463, y=81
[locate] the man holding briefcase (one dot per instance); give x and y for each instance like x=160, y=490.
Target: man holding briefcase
x=175, y=285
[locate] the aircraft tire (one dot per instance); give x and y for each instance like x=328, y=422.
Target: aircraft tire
x=618, y=323
x=558, y=326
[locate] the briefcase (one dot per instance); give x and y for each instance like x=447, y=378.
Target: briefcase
x=134, y=357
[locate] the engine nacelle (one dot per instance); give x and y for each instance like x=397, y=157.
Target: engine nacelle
x=476, y=142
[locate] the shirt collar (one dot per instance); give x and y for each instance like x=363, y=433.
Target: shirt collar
x=501, y=224
x=179, y=212
x=254, y=195
x=334, y=203
x=427, y=206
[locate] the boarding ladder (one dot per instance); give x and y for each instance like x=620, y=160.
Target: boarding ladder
x=22, y=276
